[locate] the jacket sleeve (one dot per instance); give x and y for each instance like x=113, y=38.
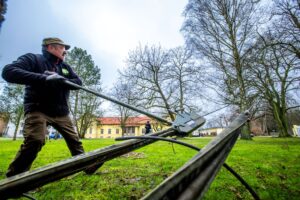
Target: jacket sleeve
x=22, y=71
x=74, y=78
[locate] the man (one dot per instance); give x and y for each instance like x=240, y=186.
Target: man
x=45, y=101
x=148, y=127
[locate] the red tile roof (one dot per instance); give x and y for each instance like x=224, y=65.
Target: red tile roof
x=130, y=121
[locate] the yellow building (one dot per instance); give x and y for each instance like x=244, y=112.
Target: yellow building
x=109, y=127
x=214, y=131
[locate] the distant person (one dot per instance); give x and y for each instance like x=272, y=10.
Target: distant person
x=45, y=101
x=148, y=127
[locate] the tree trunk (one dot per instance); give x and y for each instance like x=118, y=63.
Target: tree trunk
x=245, y=133
x=281, y=119
x=123, y=130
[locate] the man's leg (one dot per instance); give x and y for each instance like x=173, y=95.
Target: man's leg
x=65, y=126
x=34, y=139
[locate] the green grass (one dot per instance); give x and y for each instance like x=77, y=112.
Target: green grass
x=270, y=165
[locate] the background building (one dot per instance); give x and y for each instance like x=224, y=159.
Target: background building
x=110, y=127
x=214, y=131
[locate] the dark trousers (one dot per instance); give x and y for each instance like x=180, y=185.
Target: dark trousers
x=35, y=129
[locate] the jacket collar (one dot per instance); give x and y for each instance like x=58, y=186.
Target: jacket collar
x=52, y=58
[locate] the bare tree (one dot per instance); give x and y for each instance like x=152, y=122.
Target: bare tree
x=276, y=73
x=165, y=80
x=147, y=69
x=185, y=79
x=11, y=102
x=276, y=62
x=286, y=25
x=220, y=33
x=124, y=91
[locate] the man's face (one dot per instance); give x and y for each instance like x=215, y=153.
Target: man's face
x=57, y=50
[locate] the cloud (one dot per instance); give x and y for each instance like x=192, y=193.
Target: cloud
x=115, y=27
x=108, y=30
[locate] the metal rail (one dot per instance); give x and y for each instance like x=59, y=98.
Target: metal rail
x=234, y=173
x=190, y=182
x=193, y=179
x=21, y=183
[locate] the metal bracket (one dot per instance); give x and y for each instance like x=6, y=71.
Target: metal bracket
x=187, y=122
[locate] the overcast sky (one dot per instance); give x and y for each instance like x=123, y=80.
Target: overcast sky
x=106, y=29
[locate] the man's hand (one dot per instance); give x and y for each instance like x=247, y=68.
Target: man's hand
x=53, y=78
x=49, y=72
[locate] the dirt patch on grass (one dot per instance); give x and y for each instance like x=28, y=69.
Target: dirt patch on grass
x=135, y=155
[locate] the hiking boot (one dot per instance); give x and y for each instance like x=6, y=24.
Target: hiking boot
x=92, y=168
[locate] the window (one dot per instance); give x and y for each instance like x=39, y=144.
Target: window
x=109, y=131
x=102, y=131
x=130, y=130
x=117, y=131
x=91, y=130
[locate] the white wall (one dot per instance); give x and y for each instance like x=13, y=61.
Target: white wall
x=296, y=130
x=11, y=129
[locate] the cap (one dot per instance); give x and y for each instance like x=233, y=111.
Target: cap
x=53, y=40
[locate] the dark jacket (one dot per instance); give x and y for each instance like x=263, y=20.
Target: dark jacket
x=148, y=127
x=39, y=96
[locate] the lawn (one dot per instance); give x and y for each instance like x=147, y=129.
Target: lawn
x=270, y=165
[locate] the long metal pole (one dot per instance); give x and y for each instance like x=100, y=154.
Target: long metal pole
x=118, y=102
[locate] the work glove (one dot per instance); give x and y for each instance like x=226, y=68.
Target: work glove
x=53, y=79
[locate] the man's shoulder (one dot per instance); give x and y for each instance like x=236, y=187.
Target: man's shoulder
x=27, y=55
x=37, y=56
x=33, y=57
